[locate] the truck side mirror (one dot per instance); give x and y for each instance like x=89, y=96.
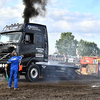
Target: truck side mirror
x=27, y=38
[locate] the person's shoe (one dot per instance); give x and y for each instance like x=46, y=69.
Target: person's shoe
x=8, y=87
x=16, y=89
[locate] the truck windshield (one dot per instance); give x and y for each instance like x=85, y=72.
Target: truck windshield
x=10, y=37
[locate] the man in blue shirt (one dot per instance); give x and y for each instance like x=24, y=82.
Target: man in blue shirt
x=14, y=61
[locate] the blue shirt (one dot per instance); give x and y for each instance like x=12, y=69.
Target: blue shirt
x=14, y=61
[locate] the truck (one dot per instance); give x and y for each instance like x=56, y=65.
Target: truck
x=31, y=40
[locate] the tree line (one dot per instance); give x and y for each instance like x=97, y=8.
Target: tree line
x=68, y=45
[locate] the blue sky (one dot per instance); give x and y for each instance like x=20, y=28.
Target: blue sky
x=81, y=17
x=85, y=6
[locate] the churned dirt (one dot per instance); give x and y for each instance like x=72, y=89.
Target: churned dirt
x=83, y=88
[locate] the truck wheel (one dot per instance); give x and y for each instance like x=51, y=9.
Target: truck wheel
x=71, y=75
x=33, y=73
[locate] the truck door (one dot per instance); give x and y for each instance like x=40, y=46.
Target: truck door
x=27, y=47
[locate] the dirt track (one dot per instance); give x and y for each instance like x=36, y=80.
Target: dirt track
x=80, y=89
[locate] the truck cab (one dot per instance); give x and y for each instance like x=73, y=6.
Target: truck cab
x=28, y=39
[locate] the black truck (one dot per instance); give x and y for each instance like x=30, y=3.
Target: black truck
x=31, y=40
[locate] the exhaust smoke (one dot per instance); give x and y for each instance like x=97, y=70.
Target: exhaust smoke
x=33, y=8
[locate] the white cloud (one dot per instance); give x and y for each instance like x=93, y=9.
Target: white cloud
x=88, y=35
x=8, y=12
x=90, y=26
x=75, y=22
x=10, y=15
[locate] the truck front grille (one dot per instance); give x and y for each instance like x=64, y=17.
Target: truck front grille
x=5, y=56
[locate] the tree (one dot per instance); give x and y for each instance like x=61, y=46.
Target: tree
x=67, y=44
x=88, y=48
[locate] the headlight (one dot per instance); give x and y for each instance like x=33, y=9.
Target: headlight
x=0, y=65
x=3, y=65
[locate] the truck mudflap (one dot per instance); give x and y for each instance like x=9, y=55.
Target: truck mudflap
x=59, y=70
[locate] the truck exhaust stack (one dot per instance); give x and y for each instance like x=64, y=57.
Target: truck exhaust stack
x=33, y=8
